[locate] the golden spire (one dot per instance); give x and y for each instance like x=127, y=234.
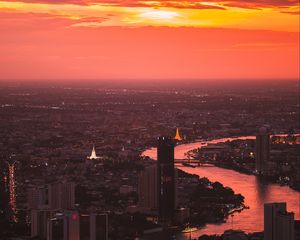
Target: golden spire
x=177, y=136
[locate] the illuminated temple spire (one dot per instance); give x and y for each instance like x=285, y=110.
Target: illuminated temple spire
x=93, y=154
x=177, y=136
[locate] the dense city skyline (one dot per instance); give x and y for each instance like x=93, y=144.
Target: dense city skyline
x=90, y=160
x=149, y=120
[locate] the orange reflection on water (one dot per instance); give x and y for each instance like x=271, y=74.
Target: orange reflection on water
x=255, y=190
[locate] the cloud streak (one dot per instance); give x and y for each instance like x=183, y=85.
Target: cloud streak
x=188, y=4
x=82, y=39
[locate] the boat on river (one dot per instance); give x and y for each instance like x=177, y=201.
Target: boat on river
x=189, y=230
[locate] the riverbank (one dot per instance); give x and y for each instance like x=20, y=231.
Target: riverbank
x=238, y=154
x=268, y=179
x=234, y=234
x=209, y=202
x=206, y=202
x=255, y=190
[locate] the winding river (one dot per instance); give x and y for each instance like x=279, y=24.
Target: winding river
x=255, y=190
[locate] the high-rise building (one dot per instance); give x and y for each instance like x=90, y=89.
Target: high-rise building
x=37, y=197
x=262, y=151
x=147, y=189
x=64, y=226
x=39, y=220
x=55, y=196
x=61, y=195
x=99, y=226
x=85, y=226
x=278, y=223
x=166, y=179
x=93, y=226
x=55, y=229
x=74, y=226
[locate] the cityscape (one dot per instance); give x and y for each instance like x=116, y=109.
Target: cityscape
x=105, y=163
x=149, y=120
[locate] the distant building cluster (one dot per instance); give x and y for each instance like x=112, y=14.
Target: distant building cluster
x=278, y=156
x=54, y=215
x=54, y=180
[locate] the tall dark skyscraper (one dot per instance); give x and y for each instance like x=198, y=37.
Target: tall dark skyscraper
x=262, y=151
x=166, y=181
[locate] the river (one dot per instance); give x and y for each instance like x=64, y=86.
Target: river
x=254, y=189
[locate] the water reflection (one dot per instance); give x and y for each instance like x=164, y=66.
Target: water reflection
x=262, y=189
x=255, y=190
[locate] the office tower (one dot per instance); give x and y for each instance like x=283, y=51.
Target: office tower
x=55, y=196
x=147, y=189
x=286, y=226
x=74, y=226
x=278, y=223
x=38, y=197
x=262, y=151
x=64, y=227
x=85, y=227
x=39, y=220
x=93, y=226
x=99, y=226
x=55, y=229
x=61, y=195
x=165, y=176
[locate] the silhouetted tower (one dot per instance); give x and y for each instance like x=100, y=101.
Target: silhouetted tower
x=166, y=182
x=262, y=151
x=278, y=223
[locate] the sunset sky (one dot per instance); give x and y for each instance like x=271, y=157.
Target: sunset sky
x=131, y=39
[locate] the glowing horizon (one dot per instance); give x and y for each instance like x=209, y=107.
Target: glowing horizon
x=102, y=39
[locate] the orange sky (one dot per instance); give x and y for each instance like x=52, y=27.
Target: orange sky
x=130, y=39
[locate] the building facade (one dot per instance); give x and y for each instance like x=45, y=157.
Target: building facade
x=165, y=179
x=61, y=195
x=262, y=152
x=147, y=189
x=278, y=223
x=74, y=226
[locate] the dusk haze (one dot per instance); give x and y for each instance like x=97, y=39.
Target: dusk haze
x=149, y=120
